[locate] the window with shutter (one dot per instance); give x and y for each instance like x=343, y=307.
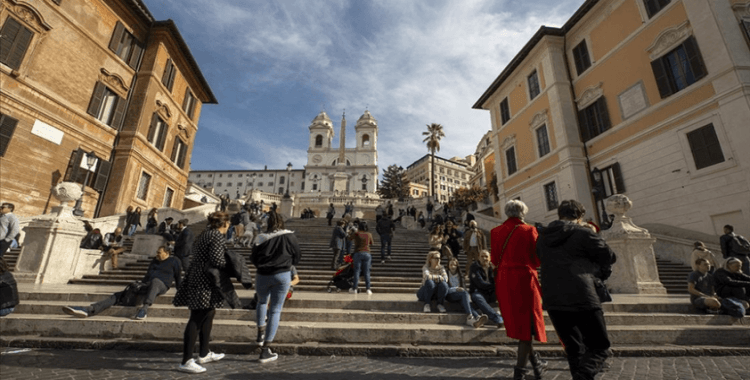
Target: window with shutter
x=102, y=174
x=124, y=44
x=510, y=160
x=542, y=140
x=550, y=196
x=679, y=68
x=14, y=41
x=78, y=171
x=705, y=146
x=157, y=133
x=612, y=180
x=188, y=103
x=594, y=119
x=143, y=184
x=168, y=195
x=581, y=57
x=533, y=82
x=504, y=111
x=106, y=106
x=654, y=6
x=179, y=151
x=7, y=127
x=169, y=72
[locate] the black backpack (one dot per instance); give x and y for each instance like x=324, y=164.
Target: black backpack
x=236, y=219
x=740, y=246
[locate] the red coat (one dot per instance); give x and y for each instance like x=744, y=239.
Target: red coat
x=517, y=283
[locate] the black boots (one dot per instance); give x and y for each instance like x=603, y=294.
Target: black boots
x=539, y=365
x=519, y=373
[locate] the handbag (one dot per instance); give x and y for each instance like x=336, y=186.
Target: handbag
x=602, y=291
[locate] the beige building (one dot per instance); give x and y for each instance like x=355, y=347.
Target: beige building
x=237, y=183
x=449, y=175
x=101, y=77
x=642, y=97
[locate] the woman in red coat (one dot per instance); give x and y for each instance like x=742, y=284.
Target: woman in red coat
x=513, y=246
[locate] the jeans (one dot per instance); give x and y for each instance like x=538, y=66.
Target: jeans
x=385, y=241
x=483, y=305
x=430, y=289
x=584, y=336
x=463, y=298
x=230, y=232
x=362, y=259
x=155, y=288
x=132, y=229
x=274, y=287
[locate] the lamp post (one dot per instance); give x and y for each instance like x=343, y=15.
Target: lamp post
x=90, y=162
x=598, y=191
x=288, y=174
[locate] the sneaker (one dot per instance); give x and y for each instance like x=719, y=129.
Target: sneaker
x=369, y=292
x=470, y=320
x=76, y=311
x=427, y=308
x=388, y=257
x=266, y=355
x=141, y=314
x=441, y=308
x=211, y=357
x=191, y=367
x=352, y=291
x=479, y=322
x=382, y=261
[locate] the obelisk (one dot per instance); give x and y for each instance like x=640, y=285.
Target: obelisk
x=340, y=178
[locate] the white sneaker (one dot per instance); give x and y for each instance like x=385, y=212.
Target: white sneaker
x=427, y=308
x=470, y=320
x=479, y=322
x=352, y=291
x=369, y=292
x=441, y=308
x=211, y=357
x=191, y=367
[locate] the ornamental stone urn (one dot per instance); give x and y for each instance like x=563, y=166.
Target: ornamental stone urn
x=635, y=270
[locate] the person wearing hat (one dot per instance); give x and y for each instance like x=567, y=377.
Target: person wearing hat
x=183, y=245
x=164, y=229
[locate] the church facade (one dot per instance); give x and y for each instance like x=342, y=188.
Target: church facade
x=339, y=168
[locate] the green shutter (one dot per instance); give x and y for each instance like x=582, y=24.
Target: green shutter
x=14, y=41
x=119, y=116
x=662, y=81
x=74, y=165
x=96, y=99
x=694, y=57
x=114, y=43
x=7, y=127
x=152, y=128
x=166, y=78
x=102, y=173
x=135, y=54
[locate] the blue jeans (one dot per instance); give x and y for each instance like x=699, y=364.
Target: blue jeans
x=274, y=287
x=485, y=307
x=385, y=240
x=362, y=259
x=230, y=232
x=463, y=298
x=132, y=229
x=431, y=289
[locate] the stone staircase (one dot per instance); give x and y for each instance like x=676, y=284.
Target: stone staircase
x=314, y=322
x=673, y=275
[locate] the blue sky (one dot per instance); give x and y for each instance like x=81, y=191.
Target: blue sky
x=274, y=65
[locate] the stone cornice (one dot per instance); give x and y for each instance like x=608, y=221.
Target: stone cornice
x=28, y=14
x=668, y=39
x=589, y=95
x=114, y=82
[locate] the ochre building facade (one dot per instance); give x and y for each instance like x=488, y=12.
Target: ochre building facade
x=101, y=77
x=646, y=98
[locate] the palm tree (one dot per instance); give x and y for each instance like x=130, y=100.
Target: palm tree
x=434, y=134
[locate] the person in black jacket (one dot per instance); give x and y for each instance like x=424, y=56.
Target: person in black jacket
x=8, y=290
x=183, y=246
x=482, y=287
x=731, y=282
x=574, y=259
x=162, y=270
x=273, y=255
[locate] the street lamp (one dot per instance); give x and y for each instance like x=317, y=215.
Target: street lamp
x=599, y=193
x=288, y=173
x=90, y=162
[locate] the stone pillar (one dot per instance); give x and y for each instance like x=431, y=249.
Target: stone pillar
x=339, y=181
x=635, y=271
x=287, y=207
x=51, y=253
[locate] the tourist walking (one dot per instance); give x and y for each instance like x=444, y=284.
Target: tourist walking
x=9, y=226
x=152, y=221
x=362, y=258
x=517, y=286
x=474, y=243
x=575, y=261
x=385, y=228
x=338, y=244
x=434, y=283
x=331, y=213
x=199, y=293
x=274, y=254
x=133, y=220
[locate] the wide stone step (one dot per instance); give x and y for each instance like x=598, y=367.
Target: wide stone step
x=336, y=332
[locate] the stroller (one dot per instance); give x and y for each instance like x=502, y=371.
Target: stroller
x=343, y=279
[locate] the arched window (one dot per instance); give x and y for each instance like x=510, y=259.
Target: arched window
x=318, y=141
x=365, y=140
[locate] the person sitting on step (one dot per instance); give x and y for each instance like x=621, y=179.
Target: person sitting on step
x=112, y=245
x=701, y=288
x=457, y=293
x=482, y=287
x=434, y=282
x=161, y=272
x=731, y=282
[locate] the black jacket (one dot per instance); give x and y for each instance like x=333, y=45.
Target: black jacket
x=183, y=246
x=482, y=282
x=166, y=271
x=275, y=252
x=222, y=278
x=724, y=280
x=8, y=291
x=573, y=258
x=385, y=226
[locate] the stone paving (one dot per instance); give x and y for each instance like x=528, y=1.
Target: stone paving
x=104, y=365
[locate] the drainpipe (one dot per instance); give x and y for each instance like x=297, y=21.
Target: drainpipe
x=119, y=129
x=585, y=148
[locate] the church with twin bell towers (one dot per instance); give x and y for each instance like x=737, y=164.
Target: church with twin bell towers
x=340, y=169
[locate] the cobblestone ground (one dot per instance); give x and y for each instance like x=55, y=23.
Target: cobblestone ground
x=104, y=365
